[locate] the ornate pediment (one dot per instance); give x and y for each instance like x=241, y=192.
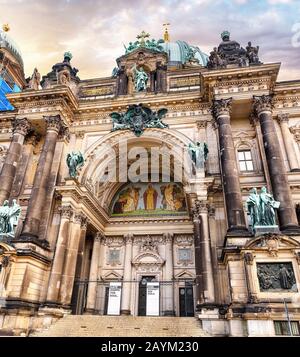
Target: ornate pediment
x=184, y=275
x=272, y=243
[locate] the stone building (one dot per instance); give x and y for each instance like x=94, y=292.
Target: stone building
x=150, y=246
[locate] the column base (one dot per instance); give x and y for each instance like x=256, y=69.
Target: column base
x=238, y=231
x=31, y=238
x=295, y=170
x=125, y=312
x=291, y=229
x=169, y=313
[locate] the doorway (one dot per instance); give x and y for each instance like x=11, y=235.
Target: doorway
x=186, y=300
x=142, y=308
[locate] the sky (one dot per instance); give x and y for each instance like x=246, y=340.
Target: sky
x=95, y=30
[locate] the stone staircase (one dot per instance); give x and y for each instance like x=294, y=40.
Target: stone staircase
x=123, y=326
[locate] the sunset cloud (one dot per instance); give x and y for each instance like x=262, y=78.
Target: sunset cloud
x=95, y=30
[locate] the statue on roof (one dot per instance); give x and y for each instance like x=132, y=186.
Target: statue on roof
x=252, y=53
x=230, y=53
x=34, y=82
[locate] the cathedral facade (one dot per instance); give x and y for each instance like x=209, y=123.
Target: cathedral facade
x=133, y=194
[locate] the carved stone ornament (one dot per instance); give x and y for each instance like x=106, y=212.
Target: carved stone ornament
x=221, y=107
x=53, y=122
x=138, y=118
x=262, y=103
x=21, y=126
x=248, y=257
x=148, y=245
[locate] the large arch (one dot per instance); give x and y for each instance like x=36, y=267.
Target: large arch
x=101, y=154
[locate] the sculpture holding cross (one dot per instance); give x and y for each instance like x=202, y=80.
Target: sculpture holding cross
x=142, y=38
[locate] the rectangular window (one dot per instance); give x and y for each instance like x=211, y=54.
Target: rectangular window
x=245, y=160
x=282, y=328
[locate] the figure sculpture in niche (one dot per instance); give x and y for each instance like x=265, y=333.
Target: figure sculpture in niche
x=140, y=79
x=75, y=160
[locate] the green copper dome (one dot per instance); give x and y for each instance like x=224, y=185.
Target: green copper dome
x=179, y=52
x=8, y=43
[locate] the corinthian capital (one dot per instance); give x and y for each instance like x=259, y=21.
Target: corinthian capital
x=53, y=122
x=283, y=118
x=66, y=212
x=262, y=103
x=221, y=107
x=21, y=126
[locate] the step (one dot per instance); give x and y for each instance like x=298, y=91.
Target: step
x=119, y=326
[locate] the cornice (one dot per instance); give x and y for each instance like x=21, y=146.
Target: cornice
x=63, y=92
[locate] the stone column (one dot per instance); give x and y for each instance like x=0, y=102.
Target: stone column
x=281, y=189
x=69, y=267
x=206, y=258
x=59, y=255
x=230, y=175
x=197, y=244
x=127, y=280
x=169, y=289
x=283, y=120
x=21, y=128
x=39, y=190
x=92, y=287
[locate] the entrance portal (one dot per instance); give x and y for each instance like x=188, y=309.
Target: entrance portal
x=186, y=300
x=143, y=294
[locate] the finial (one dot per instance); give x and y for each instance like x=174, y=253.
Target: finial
x=166, y=34
x=225, y=35
x=5, y=27
x=68, y=56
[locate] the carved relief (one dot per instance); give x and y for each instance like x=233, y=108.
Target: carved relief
x=276, y=277
x=114, y=241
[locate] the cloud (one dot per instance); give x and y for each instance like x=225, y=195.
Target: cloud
x=95, y=30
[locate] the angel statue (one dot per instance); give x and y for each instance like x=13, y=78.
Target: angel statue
x=75, y=160
x=198, y=153
x=9, y=216
x=140, y=79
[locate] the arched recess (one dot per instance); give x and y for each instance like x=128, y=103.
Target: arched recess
x=103, y=152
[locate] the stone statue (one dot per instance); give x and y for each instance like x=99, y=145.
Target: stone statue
x=284, y=277
x=252, y=53
x=140, y=79
x=262, y=208
x=34, y=82
x=9, y=216
x=198, y=153
x=267, y=208
x=75, y=160
x=253, y=205
x=138, y=118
